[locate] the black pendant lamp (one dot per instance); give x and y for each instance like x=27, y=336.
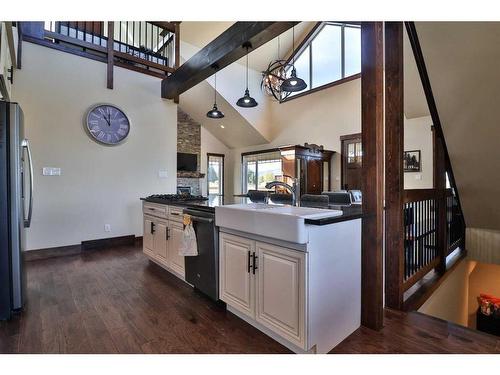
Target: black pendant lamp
x=214, y=112
x=247, y=101
x=293, y=83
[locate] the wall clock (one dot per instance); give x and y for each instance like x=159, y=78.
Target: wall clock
x=107, y=124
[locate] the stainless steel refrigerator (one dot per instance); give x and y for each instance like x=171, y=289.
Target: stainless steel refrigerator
x=16, y=205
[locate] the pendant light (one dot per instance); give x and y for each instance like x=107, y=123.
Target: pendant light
x=247, y=101
x=293, y=83
x=214, y=112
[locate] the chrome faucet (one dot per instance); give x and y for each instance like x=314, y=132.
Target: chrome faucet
x=294, y=189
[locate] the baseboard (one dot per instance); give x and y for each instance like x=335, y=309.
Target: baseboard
x=108, y=242
x=54, y=252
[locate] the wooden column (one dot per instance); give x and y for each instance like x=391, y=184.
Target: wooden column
x=372, y=137
x=111, y=53
x=440, y=184
x=394, y=177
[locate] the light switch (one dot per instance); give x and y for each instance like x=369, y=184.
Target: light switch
x=162, y=173
x=418, y=176
x=51, y=171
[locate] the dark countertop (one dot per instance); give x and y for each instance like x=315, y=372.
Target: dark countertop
x=349, y=212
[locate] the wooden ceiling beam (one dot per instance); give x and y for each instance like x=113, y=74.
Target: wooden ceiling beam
x=222, y=51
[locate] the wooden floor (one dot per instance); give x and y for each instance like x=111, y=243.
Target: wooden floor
x=116, y=301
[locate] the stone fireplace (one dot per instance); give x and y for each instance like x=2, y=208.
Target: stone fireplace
x=189, y=141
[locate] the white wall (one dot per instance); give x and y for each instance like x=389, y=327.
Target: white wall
x=418, y=136
x=98, y=184
x=210, y=144
x=451, y=300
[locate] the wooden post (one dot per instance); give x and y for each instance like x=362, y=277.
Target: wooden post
x=111, y=42
x=440, y=184
x=394, y=177
x=372, y=137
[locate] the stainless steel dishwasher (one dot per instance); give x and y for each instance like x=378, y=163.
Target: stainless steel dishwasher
x=202, y=271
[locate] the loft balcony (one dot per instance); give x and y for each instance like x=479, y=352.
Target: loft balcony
x=149, y=47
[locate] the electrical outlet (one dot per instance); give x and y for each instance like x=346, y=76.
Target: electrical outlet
x=107, y=227
x=162, y=173
x=51, y=171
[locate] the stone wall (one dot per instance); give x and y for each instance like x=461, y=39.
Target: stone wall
x=189, y=141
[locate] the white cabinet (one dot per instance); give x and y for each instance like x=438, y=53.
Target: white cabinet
x=148, y=235
x=161, y=243
x=174, y=260
x=237, y=286
x=281, y=291
x=162, y=236
x=266, y=283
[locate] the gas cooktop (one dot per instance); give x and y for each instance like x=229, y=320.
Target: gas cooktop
x=177, y=197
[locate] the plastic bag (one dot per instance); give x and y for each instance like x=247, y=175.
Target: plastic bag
x=188, y=246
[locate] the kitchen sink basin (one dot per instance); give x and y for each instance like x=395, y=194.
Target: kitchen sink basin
x=274, y=221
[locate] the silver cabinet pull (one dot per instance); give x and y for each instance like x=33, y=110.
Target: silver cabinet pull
x=27, y=221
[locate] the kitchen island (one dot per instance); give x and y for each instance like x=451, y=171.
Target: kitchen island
x=301, y=285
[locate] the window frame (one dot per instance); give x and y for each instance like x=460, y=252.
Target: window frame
x=244, y=186
x=307, y=42
x=222, y=177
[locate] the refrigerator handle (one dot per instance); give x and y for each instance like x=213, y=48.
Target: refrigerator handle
x=26, y=145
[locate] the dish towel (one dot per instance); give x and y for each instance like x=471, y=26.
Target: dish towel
x=188, y=246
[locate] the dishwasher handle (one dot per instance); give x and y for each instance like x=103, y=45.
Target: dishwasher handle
x=202, y=219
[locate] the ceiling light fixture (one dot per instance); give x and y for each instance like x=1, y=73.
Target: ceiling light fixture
x=293, y=83
x=214, y=112
x=222, y=126
x=274, y=76
x=246, y=101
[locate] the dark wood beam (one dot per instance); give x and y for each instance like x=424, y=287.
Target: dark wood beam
x=111, y=57
x=223, y=51
x=372, y=138
x=394, y=177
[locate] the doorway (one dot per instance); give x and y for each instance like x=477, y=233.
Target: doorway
x=215, y=174
x=352, y=155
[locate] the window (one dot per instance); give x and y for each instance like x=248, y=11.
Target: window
x=215, y=174
x=332, y=54
x=260, y=168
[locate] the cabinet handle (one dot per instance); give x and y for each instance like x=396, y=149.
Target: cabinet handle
x=152, y=228
x=168, y=233
x=175, y=213
x=249, y=261
x=254, y=266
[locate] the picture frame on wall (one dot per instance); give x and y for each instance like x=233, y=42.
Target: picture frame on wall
x=412, y=161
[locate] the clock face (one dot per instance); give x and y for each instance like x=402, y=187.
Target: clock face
x=107, y=124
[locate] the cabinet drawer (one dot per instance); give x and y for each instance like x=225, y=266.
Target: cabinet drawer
x=155, y=210
x=175, y=213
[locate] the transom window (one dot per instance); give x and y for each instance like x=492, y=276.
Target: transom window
x=332, y=53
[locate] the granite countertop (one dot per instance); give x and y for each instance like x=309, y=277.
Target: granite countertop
x=349, y=212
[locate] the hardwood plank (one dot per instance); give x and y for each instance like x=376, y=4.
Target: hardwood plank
x=115, y=301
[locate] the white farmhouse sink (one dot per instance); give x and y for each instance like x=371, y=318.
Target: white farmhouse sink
x=280, y=222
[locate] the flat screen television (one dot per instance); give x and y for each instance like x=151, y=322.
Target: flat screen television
x=187, y=162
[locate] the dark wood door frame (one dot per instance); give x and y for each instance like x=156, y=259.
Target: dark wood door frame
x=394, y=176
x=343, y=138
x=223, y=171
x=372, y=138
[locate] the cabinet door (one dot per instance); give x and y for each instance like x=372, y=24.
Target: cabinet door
x=5, y=64
x=175, y=261
x=314, y=176
x=281, y=291
x=160, y=241
x=237, y=286
x=148, y=236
